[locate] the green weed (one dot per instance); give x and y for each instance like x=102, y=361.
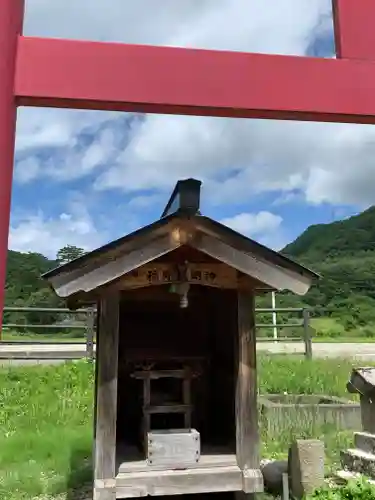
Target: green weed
x=46, y=421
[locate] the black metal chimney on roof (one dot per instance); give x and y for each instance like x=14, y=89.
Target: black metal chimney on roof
x=185, y=198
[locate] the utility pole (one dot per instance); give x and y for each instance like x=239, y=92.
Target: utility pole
x=274, y=315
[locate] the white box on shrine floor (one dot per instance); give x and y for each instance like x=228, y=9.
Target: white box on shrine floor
x=175, y=448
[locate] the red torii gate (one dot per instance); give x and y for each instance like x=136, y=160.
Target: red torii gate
x=109, y=76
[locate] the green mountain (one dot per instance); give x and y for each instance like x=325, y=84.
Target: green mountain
x=343, y=301
x=24, y=276
x=25, y=288
x=343, y=252
x=352, y=237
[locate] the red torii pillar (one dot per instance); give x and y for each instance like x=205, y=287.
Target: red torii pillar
x=109, y=76
x=11, y=20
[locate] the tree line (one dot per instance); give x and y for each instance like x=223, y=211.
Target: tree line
x=343, y=252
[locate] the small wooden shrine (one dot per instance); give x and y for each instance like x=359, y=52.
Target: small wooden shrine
x=176, y=381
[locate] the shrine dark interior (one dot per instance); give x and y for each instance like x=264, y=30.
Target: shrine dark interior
x=156, y=334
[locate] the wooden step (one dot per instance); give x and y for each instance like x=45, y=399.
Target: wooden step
x=365, y=441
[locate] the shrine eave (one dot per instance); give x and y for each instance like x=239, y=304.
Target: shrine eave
x=104, y=266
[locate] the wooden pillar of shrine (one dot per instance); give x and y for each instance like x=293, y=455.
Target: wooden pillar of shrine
x=106, y=398
x=247, y=432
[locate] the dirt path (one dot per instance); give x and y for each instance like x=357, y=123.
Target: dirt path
x=53, y=353
x=334, y=350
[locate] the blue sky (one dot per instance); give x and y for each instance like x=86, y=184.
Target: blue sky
x=85, y=178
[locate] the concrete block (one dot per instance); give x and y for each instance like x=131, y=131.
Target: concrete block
x=365, y=441
x=306, y=466
x=360, y=461
x=281, y=411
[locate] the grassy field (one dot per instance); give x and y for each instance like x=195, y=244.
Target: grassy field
x=278, y=374
x=66, y=337
x=45, y=429
x=331, y=328
x=46, y=422
x=325, y=329
x=344, y=340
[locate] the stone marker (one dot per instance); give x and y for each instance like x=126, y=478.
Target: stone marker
x=306, y=466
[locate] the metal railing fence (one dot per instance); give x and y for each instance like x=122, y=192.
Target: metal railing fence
x=21, y=333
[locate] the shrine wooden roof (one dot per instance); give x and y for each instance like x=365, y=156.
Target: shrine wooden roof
x=181, y=225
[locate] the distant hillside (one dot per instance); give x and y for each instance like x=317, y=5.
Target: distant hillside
x=25, y=288
x=343, y=253
x=347, y=238
x=23, y=275
x=24, y=285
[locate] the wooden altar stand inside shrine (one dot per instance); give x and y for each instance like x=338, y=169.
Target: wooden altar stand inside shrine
x=176, y=351
x=184, y=407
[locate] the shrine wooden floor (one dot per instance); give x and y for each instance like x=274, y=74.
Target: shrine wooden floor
x=216, y=471
x=129, y=459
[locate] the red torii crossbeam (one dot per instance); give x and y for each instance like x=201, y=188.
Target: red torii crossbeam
x=109, y=76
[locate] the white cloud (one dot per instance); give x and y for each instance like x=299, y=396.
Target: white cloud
x=146, y=201
x=253, y=224
x=263, y=226
x=278, y=26
x=40, y=233
x=54, y=134
x=186, y=146
x=27, y=169
x=83, y=219
x=237, y=159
